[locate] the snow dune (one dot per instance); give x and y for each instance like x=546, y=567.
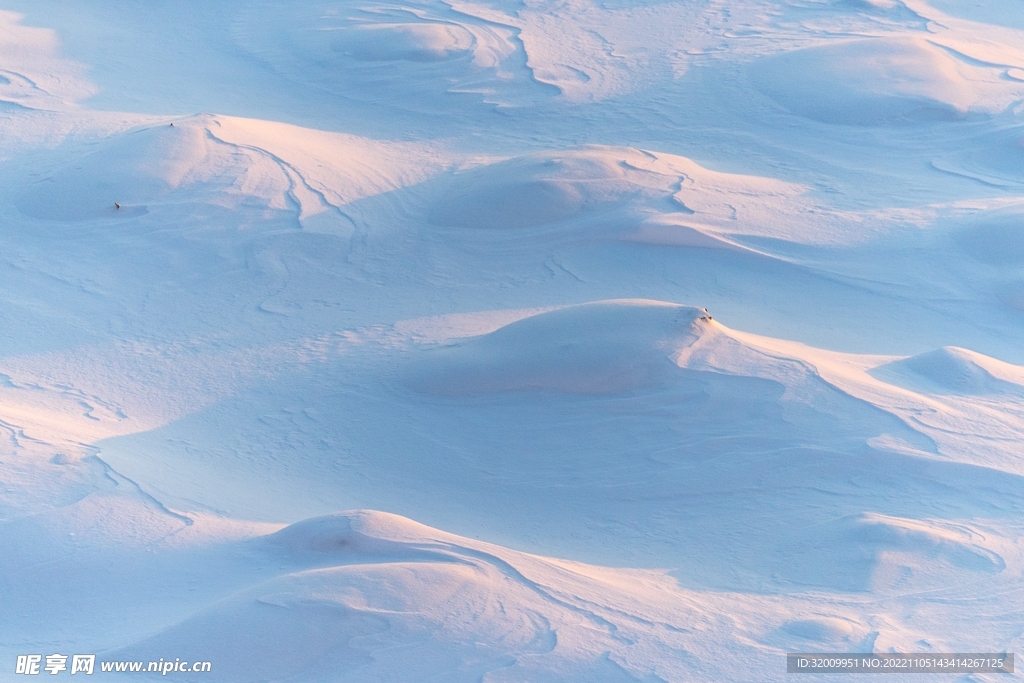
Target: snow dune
x=231, y=164
x=626, y=193
x=962, y=372
x=355, y=51
x=555, y=187
x=880, y=81
x=598, y=348
x=361, y=584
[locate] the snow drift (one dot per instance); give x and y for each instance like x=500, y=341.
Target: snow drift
x=600, y=348
x=879, y=81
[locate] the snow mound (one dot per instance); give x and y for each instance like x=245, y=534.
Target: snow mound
x=543, y=188
x=624, y=193
x=958, y=546
x=897, y=553
x=955, y=370
x=873, y=551
x=604, y=347
x=874, y=81
x=207, y=164
x=337, y=538
x=469, y=614
x=182, y=162
x=420, y=42
x=405, y=57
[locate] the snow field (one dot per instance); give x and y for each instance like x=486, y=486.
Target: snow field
x=443, y=266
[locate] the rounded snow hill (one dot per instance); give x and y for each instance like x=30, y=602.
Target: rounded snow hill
x=151, y=165
x=399, y=56
x=227, y=165
x=886, y=552
x=605, y=347
x=624, y=193
x=548, y=187
x=627, y=192
x=955, y=370
x=871, y=82
x=340, y=537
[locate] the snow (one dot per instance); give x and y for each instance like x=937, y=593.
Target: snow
x=964, y=372
x=368, y=342
x=880, y=81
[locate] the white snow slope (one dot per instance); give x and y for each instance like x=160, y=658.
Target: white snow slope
x=366, y=341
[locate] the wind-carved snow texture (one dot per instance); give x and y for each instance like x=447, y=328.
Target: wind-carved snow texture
x=500, y=341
